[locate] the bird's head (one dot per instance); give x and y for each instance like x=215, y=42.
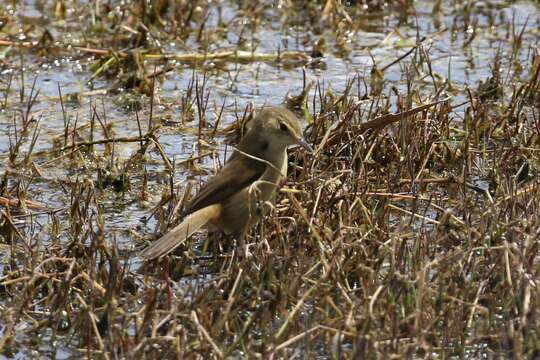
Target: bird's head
x=280, y=126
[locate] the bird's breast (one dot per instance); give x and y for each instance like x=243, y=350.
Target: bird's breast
x=273, y=175
x=242, y=209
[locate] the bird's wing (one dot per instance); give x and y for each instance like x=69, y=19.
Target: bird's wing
x=240, y=171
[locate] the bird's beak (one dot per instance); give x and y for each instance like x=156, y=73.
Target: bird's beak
x=302, y=142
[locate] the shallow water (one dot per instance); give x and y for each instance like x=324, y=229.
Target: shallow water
x=375, y=38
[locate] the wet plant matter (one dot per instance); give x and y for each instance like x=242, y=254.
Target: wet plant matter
x=411, y=231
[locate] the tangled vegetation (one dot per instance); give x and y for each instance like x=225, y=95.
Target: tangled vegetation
x=411, y=231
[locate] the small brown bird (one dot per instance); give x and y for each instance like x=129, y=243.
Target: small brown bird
x=252, y=174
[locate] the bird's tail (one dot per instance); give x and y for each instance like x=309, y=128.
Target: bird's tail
x=181, y=232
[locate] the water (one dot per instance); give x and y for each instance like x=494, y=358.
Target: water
x=372, y=38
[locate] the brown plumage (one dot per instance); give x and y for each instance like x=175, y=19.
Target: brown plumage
x=252, y=174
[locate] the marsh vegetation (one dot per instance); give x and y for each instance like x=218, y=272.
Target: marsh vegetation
x=411, y=231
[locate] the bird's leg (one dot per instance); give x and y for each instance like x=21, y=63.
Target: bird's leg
x=239, y=236
x=241, y=246
x=226, y=242
x=213, y=241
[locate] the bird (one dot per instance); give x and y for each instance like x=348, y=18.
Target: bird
x=230, y=199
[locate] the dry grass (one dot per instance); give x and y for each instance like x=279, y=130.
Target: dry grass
x=412, y=231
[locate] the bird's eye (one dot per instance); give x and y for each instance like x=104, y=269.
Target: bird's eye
x=283, y=127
